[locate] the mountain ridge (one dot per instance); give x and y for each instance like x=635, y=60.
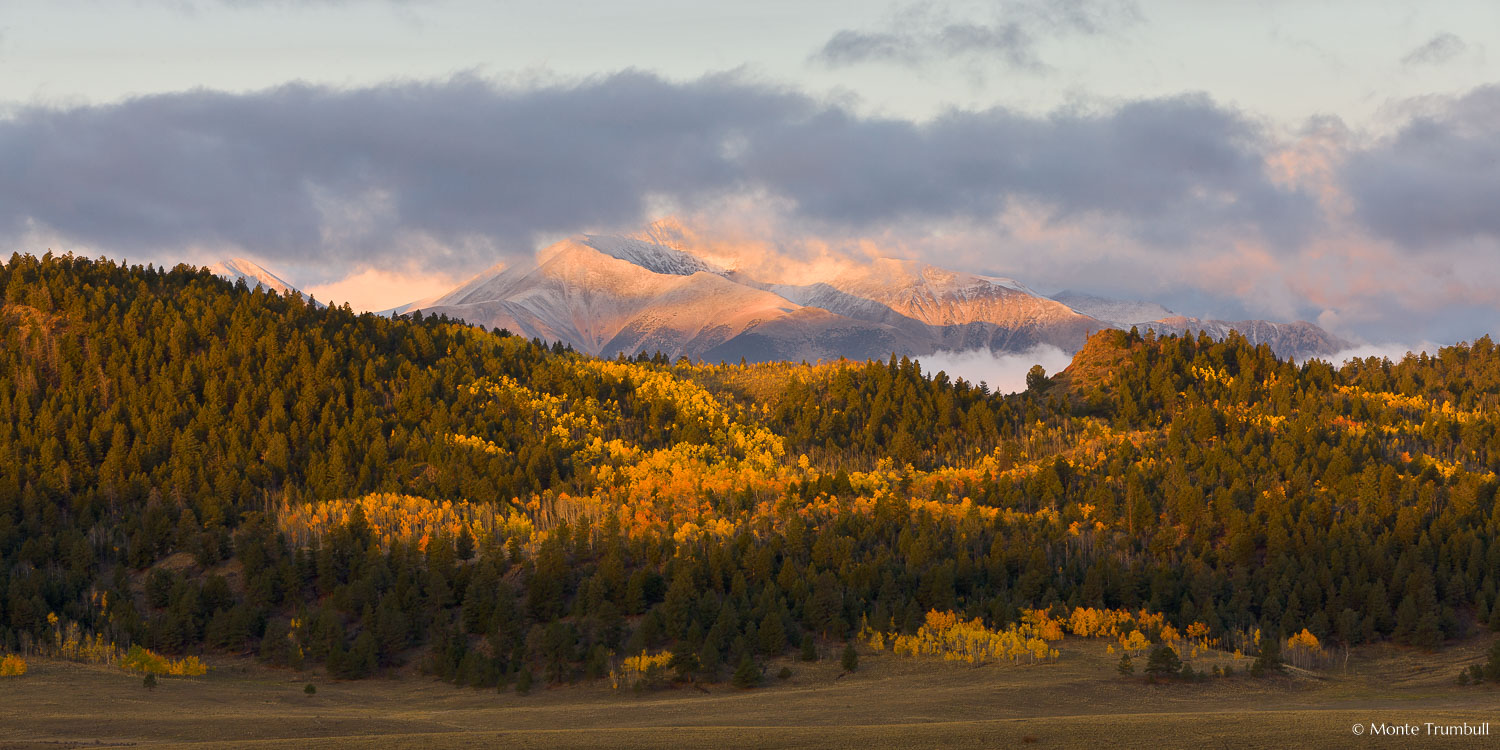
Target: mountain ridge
x=608, y=295
x=255, y=276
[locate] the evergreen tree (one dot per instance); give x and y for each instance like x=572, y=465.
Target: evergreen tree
x=1268, y=661
x=746, y=675
x=809, y=650
x=1492, y=667
x=1163, y=662
x=772, y=635
x=850, y=659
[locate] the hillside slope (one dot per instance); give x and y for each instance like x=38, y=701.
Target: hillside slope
x=199, y=469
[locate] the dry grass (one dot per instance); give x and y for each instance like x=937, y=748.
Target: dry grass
x=890, y=702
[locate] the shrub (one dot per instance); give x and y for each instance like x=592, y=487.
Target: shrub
x=12, y=666
x=784, y=674
x=138, y=659
x=310, y=689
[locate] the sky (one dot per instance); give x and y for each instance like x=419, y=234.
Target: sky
x=1336, y=162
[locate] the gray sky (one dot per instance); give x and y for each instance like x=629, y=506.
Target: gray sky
x=1332, y=161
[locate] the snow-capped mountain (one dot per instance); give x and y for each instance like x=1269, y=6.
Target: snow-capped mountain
x=582, y=292
x=650, y=256
x=254, y=275
x=1298, y=341
x=606, y=295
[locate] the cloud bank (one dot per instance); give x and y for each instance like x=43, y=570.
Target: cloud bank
x=469, y=166
x=1179, y=199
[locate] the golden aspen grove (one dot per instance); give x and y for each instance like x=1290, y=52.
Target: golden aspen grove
x=363, y=494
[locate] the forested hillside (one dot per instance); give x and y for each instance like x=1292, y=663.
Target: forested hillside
x=199, y=468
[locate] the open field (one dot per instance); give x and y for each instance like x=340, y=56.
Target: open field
x=889, y=702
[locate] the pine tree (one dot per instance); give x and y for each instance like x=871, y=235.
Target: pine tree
x=1163, y=662
x=746, y=675
x=684, y=662
x=772, y=635
x=464, y=546
x=1269, y=659
x=1492, y=667
x=850, y=660
x=809, y=648
x=1036, y=379
x=1126, y=668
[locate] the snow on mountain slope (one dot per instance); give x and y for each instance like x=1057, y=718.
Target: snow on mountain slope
x=1298, y=341
x=475, y=282
x=254, y=275
x=650, y=256
x=943, y=298
x=697, y=314
x=825, y=297
x=603, y=304
x=572, y=293
x=810, y=334
x=1121, y=313
x=605, y=295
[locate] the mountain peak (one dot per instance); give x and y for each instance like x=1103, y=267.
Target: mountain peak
x=607, y=293
x=650, y=256
x=254, y=275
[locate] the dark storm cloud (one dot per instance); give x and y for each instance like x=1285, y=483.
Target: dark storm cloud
x=1435, y=51
x=1438, y=179
x=452, y=159
x=302, y=170
x=1173, y=166
x=928, y=32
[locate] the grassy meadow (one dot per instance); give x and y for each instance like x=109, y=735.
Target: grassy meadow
x=890, y=701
